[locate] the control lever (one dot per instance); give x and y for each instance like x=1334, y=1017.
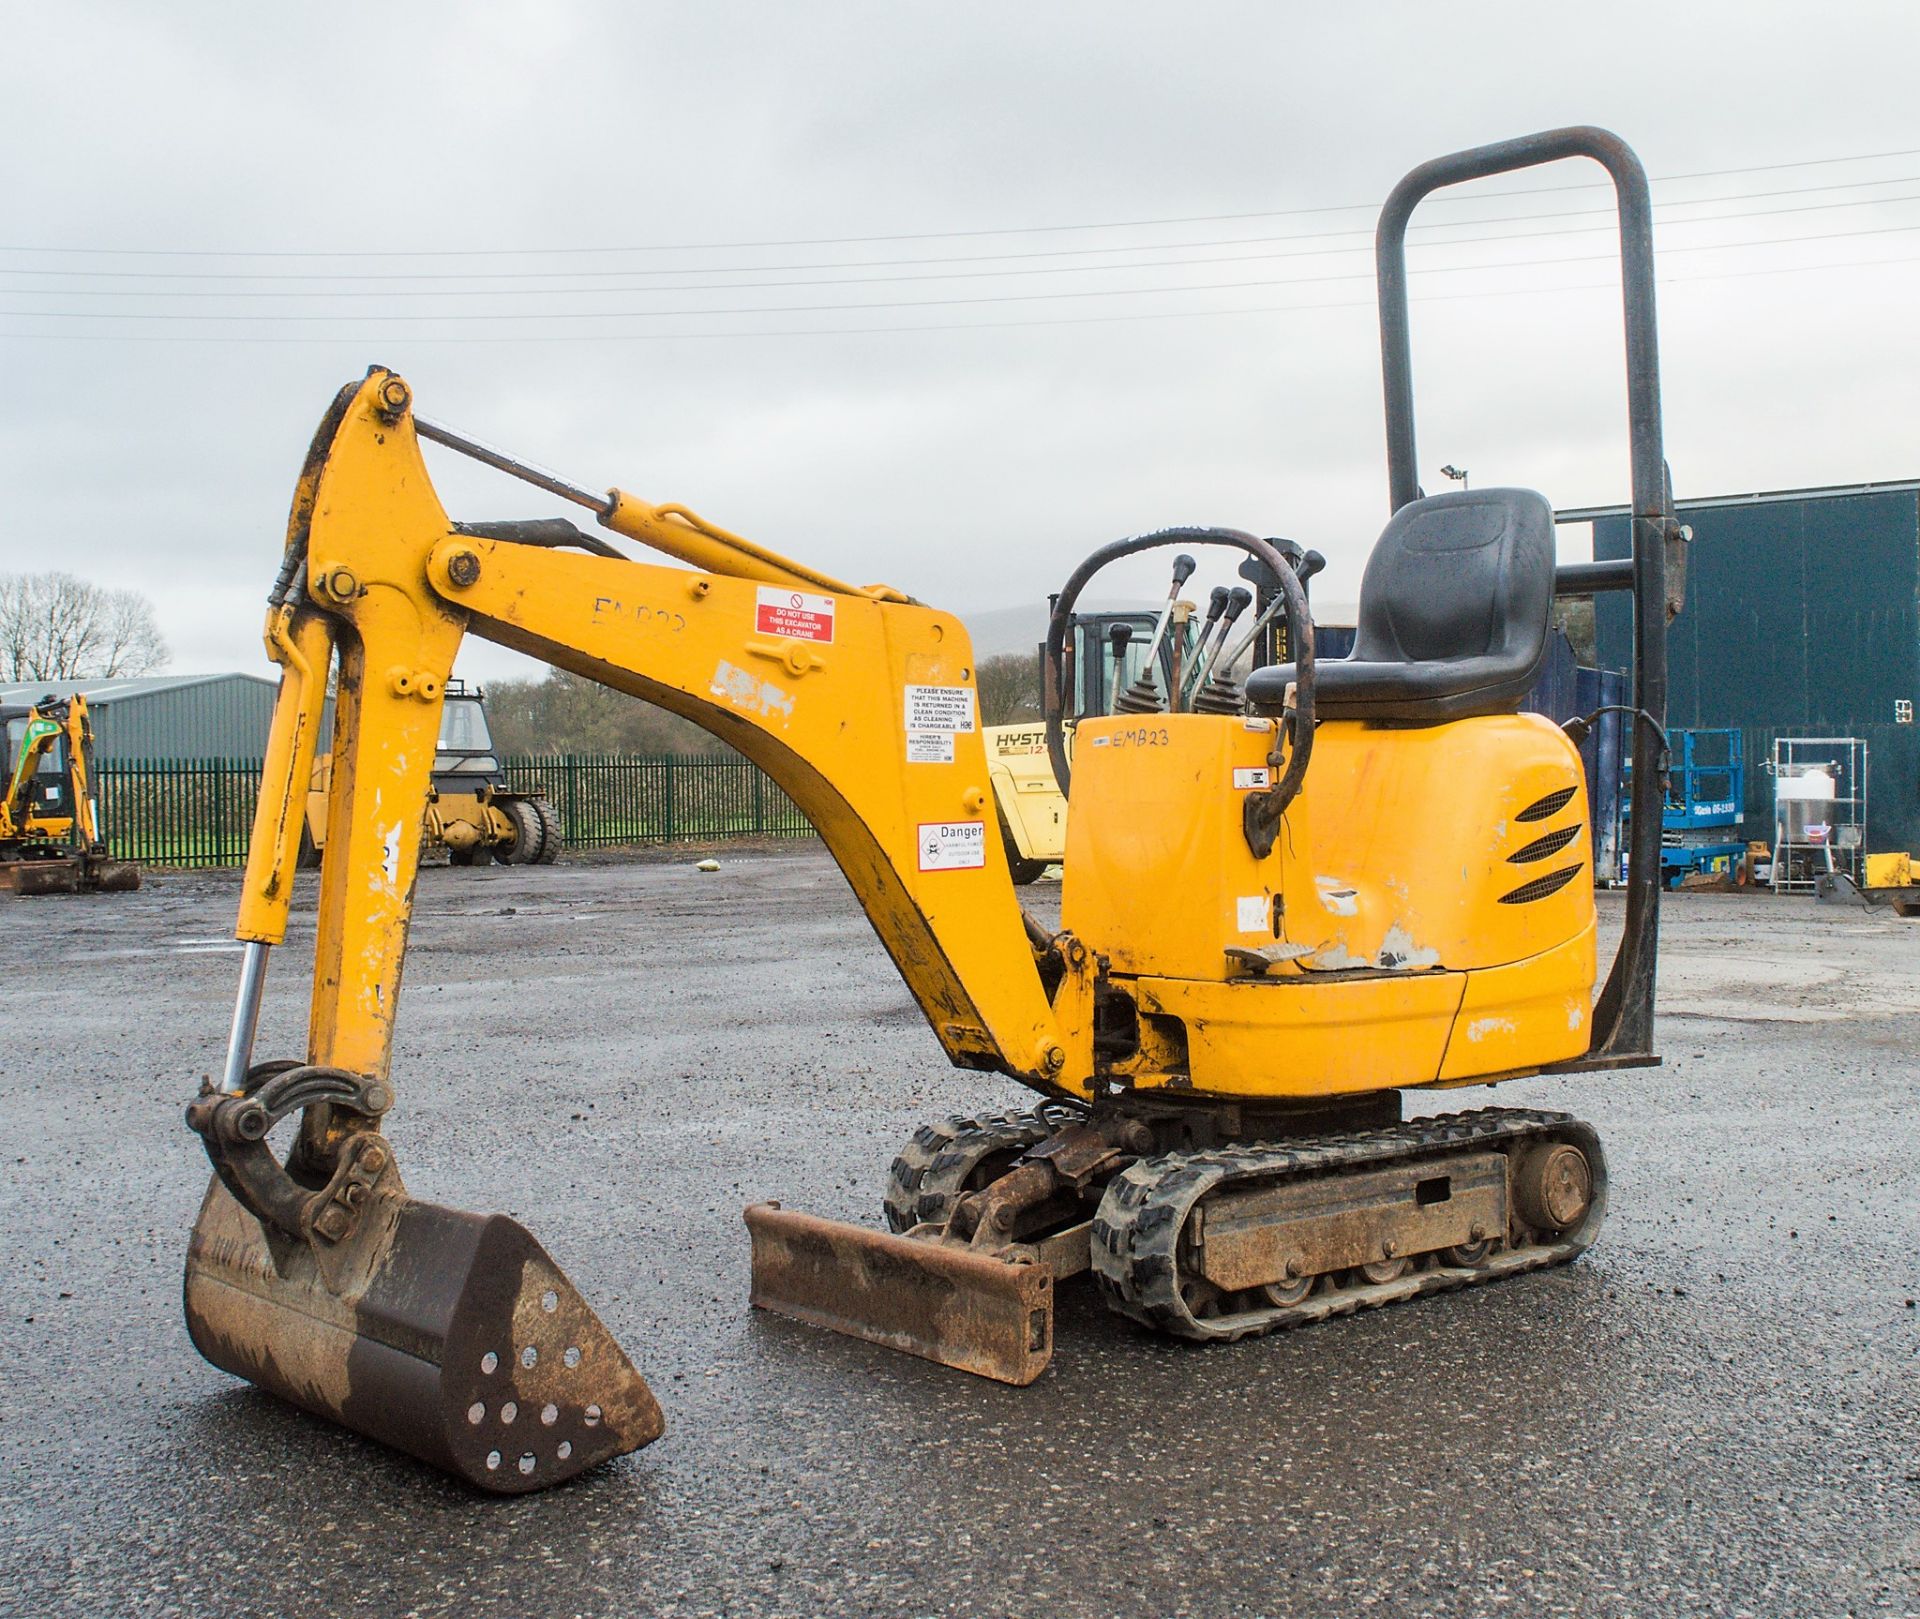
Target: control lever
x=1222, y=694
x=1143, y=697
x=1238, y=600
x=1118, y=635
x=1309, y=564
x=1216, y=605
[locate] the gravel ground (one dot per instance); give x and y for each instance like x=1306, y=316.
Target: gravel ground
x=1715, y=1412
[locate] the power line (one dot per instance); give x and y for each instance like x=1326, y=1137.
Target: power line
x=949, y=275
x=206, y=338
x=912, y=236
x=933, y=303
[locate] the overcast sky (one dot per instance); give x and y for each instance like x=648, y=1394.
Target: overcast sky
x=970, y=396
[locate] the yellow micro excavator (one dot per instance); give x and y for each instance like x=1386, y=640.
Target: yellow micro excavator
x=50, y=840
x=1384, y=884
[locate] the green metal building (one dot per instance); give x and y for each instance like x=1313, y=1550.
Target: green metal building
x=1802, y=619
x=166, y=716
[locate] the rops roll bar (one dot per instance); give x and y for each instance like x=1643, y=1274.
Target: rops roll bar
x=1623, y=1018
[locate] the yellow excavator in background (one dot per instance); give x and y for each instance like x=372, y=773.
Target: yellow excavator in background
x=1284, y=906
x=50, y=840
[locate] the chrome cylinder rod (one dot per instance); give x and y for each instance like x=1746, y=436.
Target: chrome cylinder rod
x=246, y=1017
x=594, y=500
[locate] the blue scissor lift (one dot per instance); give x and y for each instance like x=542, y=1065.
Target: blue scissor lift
x=1706, y=787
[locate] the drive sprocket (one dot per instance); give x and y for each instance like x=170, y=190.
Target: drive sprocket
x=962, y=1154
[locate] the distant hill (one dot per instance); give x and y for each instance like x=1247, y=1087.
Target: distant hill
x=1023, y=628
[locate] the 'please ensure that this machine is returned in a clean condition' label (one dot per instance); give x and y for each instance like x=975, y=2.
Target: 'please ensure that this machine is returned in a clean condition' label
x=934, y=714
x=953, y=845
x=796, y=614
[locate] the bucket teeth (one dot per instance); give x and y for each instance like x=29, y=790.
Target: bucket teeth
x=978, y=1312
x=450, y=1336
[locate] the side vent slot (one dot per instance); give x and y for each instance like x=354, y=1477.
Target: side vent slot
x=1541, y=887
x=1540, y=848
x=1552, y=804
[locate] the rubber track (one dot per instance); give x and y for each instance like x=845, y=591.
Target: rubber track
x=1136, y=1231
x=933, y=1167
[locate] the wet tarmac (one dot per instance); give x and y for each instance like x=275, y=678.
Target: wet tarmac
x=1716, y=1412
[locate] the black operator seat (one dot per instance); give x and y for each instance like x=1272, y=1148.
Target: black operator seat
x=1454, y=608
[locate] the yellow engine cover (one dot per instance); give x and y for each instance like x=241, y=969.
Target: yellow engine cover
x=1426, y=915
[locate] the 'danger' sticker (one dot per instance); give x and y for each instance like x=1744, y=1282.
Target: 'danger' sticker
x=952, y=845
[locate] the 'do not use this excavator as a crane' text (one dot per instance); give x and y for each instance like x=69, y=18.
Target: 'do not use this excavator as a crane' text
x=1384, y=884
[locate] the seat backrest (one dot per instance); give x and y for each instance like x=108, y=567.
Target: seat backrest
x=1456, y=576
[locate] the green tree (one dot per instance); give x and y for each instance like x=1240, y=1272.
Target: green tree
x=1009, y=687
x=566, y=714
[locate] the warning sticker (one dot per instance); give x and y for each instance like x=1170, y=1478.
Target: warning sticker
x=952, y=845
x=929, y=747
x=1250, y=911
x=939, y=708
x=1245, y=776
x=794, y=613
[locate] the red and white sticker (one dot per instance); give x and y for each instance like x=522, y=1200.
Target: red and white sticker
x=793, y=613
x=1246, y=777
x=952, y=845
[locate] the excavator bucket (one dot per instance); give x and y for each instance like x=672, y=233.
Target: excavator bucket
x=111, y=877
x=980, y=1313
x=450, y=1336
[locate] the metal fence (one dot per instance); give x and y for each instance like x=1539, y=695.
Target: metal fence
x=684, y=798
x=178, y=812
x=199, y=812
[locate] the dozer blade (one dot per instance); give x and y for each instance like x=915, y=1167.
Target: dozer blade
x=981, y=1314
x=447, y=1335
x=40, y=876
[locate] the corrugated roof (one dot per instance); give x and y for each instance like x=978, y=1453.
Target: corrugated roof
x=16, y=693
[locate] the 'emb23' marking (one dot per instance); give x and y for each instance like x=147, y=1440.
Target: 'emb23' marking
x=643, y=616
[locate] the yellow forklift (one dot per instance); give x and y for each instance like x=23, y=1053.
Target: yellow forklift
x=1283, y=911
x=50, y=841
